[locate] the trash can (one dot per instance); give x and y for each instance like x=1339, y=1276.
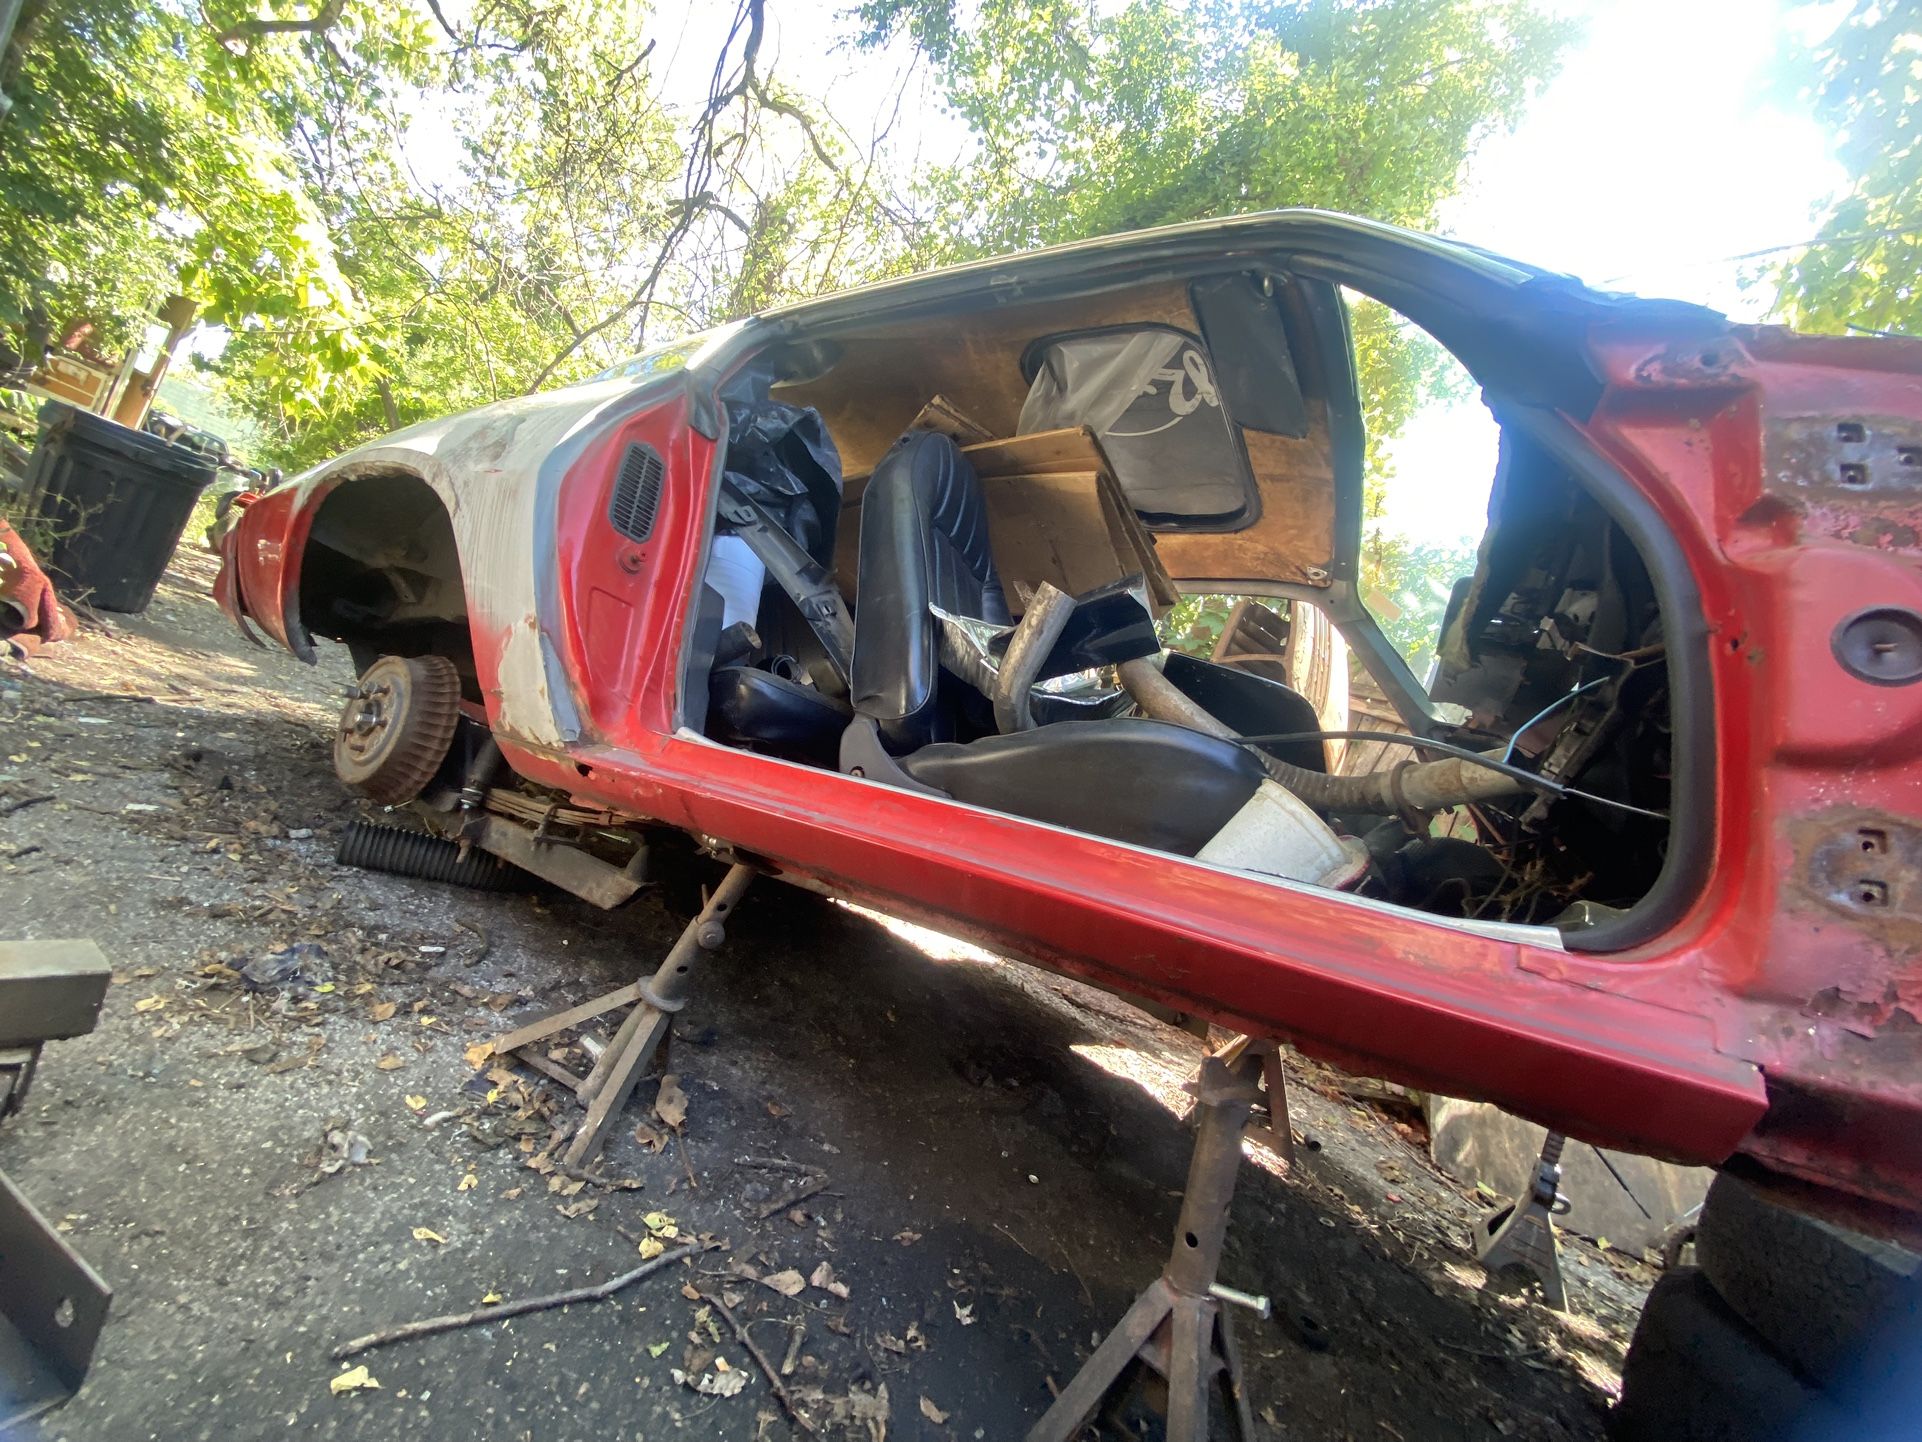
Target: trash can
x=107, y=504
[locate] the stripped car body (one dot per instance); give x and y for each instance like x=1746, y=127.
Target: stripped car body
x=1758, y=1003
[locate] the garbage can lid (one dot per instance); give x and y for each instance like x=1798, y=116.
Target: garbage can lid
x=145, y=450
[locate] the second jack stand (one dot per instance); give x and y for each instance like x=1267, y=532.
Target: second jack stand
x=1520, y=1234
x=1177, y=1328
x=605, y=1090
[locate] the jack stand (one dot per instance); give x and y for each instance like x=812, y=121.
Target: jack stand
x=1520, y=1234
x=642, y=1035
x=1177, y=1327
x=1278, y=1134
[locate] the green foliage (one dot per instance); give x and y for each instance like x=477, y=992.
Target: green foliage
x=1092, y=120
x=1406, y=585
x=583, y=219
x=1865, y=269
x=1194, y=623
x=292, y=165
x=149, y=150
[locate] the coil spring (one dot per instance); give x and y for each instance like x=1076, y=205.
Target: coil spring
x=402, y=852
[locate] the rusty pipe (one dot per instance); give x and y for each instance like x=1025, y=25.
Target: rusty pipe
x=1422, y=786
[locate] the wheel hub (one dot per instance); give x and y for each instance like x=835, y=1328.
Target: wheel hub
x=396, y=727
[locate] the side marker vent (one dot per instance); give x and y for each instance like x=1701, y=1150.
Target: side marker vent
x=637, y=493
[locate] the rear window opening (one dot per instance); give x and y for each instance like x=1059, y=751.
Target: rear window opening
x=1030, y=623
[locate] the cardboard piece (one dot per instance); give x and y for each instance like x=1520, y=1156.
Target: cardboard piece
x=1055, y=513
x=943, y=415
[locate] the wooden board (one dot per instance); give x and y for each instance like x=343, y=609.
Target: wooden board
x=971, y=360
x=1076, y=451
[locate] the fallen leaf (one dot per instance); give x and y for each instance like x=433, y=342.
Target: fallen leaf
x=658, y=1349
x=490, y=1299
x=777, y=1111
x=893, y=1344
x=428, y=1234
x=468, y=1183
x=712, y=1384
x=384, y=1010
x=823, y=1277
x=789, y=1283
x=511, y=1194
x=933, y=1413
x=661, y=1224
x=915, y=1339
x=720, y=1365
x=578, y=1209
x=907, y=1239
x=479, y=1054
x=324, y=987
x=687, y=1290
x=390, y=1062
x=354, y=1379
x=150, y=1003
x=964, y=1315
x=646, y=1135
x=670, y=1104
x=418, y=1103
x=871, y=1409
x=652, y=1247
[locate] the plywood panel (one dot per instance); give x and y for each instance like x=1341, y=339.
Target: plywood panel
x=1294, y=539
x=972, y=360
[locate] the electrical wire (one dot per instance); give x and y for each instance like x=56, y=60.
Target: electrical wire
x=1396, y=738
x=1549, y=710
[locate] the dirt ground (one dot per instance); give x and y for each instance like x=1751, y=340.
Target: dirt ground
x=1001, y=1150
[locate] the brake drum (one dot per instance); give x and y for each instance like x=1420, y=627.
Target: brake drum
x=396, y=727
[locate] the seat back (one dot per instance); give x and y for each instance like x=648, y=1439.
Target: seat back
x=924, y=541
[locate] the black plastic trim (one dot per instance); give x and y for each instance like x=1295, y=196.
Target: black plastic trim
x=636, y=497
x=1685, y=631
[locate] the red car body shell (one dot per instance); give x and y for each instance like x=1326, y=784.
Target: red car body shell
x=1779, y=1019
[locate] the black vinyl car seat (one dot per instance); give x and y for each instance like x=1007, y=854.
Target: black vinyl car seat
x=785, y=717
x=1127, y=778
x=924, y=541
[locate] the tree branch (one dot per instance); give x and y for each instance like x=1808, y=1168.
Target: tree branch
x=321, y=20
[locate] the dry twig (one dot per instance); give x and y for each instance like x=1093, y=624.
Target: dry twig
x=798, y=1194
x=481, y=1316
x=761, y=1361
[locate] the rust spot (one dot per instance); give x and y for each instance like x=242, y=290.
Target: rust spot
x=1857, y=478
x=1712, y=362
x=1866, y=867
x=1883, y=534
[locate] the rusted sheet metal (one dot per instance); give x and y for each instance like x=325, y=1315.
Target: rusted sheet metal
x=1862, y=869
x=1853, y=478
x=588, y=877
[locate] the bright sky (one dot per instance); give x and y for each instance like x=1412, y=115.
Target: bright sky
x=1660, y=152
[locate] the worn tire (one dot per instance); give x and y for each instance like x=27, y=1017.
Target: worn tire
x=1831, y=1302
x=1697, y=1373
